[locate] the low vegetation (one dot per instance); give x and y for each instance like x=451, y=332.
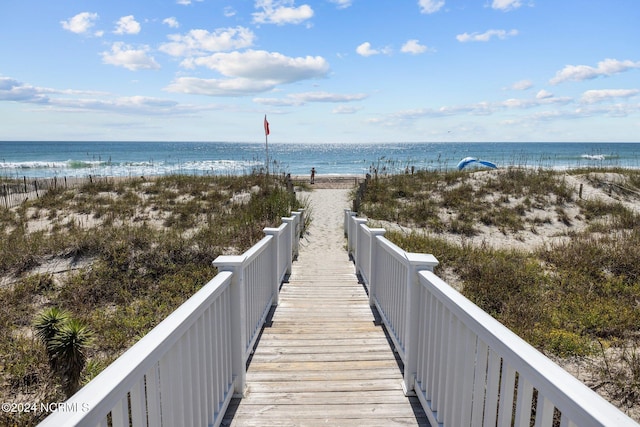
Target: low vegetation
x=552, y=255
x=101, y=265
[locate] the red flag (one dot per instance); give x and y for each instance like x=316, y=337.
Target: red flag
x=266, y=125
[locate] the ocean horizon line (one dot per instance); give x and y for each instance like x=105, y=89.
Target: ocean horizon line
x=156, y=141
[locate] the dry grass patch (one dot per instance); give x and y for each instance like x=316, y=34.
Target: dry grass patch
x=118, y=256
x=553, y=255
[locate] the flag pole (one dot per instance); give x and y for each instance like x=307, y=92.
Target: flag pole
x=266, y=142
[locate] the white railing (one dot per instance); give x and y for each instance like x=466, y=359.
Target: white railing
x=185, y=371
x=466, y=368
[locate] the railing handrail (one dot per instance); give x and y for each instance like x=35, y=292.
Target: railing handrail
x=392, y=249
x=143, y=387
x=101, y=394
x=579, y=402
x=445, y=337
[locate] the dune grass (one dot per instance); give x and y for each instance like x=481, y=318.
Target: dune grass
x=132, y=251
x=573, y=297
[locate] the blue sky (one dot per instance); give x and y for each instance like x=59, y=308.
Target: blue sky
x=322, y=71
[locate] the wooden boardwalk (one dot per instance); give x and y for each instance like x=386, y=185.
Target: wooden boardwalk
x=324, y=359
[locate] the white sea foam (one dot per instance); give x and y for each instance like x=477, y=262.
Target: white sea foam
x=593, y=156
x=32, y=165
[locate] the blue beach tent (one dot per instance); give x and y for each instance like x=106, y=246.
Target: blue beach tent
x=472, y=160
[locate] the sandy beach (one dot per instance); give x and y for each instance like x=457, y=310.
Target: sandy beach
x=329, y=181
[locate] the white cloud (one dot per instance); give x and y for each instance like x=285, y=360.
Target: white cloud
x=281, y=12
x=486, y=36
x=122, y=55
x=298, y=99
x=172, y=22
x=200, y=42
x=342, y=4
x=541, y=99
x=249, y=73
x=600, y=95
x=229, y=11
x=430, y=6
x=544, y=94
x=263, y=65
x=277, y=102
x=481, y=108
x=14, y=90
x=127, y=25
x=219, y=87
x=506, y=4
x=607, y=67
x=346, y=109
x=414, y=47
x=328, y=97
x=75, y=100
x=522, y=85
x=365, y=50
x=80, y=23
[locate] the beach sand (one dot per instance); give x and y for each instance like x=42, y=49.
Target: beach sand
x=329, y=181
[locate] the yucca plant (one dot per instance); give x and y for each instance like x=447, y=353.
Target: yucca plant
x=47, y=325
x=66, y=340
x=68, y=347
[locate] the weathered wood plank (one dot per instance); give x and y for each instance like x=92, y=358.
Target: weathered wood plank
x=323, y=358
x=363, y=342
x=344, y=410
x=320, y=375
x=329, y=398
x=362, y=386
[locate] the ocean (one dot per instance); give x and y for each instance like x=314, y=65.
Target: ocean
x=39, y=159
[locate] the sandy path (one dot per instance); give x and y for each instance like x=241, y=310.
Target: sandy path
x=325, y=237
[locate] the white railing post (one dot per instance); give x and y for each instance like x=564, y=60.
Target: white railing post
x=345, y=224
x=356, y=235
x=275, y=260
x=351, y=232
x=297, y=232
x=234, y=264
x=416, y=262
x=373, y=253
x=292, y=227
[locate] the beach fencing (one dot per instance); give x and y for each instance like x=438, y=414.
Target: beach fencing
x=185, y=371
x=14, y=192
x=465, y=367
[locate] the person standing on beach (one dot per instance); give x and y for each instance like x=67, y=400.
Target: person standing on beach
x=313, y=175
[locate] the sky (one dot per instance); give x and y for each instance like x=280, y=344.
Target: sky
x=320, y=71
